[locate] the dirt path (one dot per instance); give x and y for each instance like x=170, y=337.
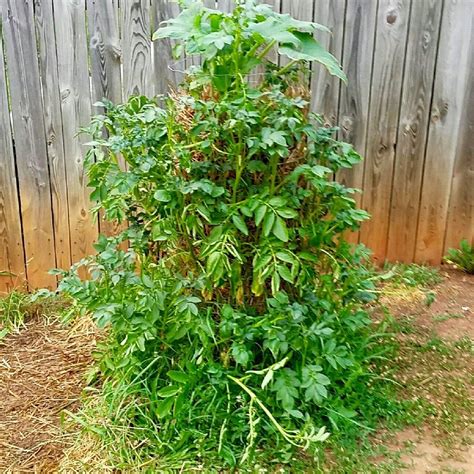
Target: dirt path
x=41, y=374
x=437, y=360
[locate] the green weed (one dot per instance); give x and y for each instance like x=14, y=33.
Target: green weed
x=412, y=275
x=462, y=258
x=13, y=310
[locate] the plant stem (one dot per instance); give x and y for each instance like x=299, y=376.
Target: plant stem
x=266, y=50
x=288, y=66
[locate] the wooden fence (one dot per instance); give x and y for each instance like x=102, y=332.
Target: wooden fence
x=408, y=107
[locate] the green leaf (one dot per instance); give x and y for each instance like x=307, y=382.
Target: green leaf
x=310, y=50
x=163, y=407
x=240, y=224
x=179, y=377
x=275, y=283
x=260, y=214
x=285, y=257
x=213, y=262
x=169, y=391
x=268, y=223
x=162, y=195
x=273, y=29
x=285, y=273
x=280, y=230
x=287, y=213
x=240, y=354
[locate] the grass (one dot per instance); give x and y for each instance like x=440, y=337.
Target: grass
x=13, y=310
x=17, y=307
x=439, y=374
x=440, y=318
x=412, y=275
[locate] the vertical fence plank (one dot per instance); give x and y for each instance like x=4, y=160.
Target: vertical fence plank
x=166, y=68
x=106, y=74
x=460, y=223
x=12, y=258
x=105, y=52
x=136, y=46
x=226, y=6
x=390, y=41
x=452, y=73
x=413, y=127
x=299, y=9
x=70, y=24
x=30, y=143
x=48, y=65
x=355, y=96
x=324, y=86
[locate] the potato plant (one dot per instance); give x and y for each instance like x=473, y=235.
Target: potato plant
x=236, y=316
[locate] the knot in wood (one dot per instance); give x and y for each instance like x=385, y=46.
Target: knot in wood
x=391, y=17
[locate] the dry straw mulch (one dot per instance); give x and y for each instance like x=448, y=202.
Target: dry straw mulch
x=41, y=374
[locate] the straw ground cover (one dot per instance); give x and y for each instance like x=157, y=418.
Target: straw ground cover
x=42, y=366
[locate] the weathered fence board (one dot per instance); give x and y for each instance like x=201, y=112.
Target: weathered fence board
x=387, y=76
x=74, y=83
x=452, y=74
x=105, y=55
x=29, y=139
x=461, y=204
x=165, y=77
x=12, y=257
x=359, y=36
x=408, y=107
x=53, y=124
x=412, y=129
x=324, y=87
x=136, y=47
x=105, y=51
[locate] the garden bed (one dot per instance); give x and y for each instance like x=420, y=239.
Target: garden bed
x=43, y=367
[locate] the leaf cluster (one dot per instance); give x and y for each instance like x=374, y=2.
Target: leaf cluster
x=236, y=313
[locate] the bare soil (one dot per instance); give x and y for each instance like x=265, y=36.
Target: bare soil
x=450, y=316
x=444, y=377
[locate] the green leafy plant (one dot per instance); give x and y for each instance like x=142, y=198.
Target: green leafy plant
x=237, y=321
x=462, y=258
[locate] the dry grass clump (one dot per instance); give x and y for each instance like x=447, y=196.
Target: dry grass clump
x=41, y=374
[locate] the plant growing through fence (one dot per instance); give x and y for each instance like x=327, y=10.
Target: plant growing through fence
x=236, y=317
